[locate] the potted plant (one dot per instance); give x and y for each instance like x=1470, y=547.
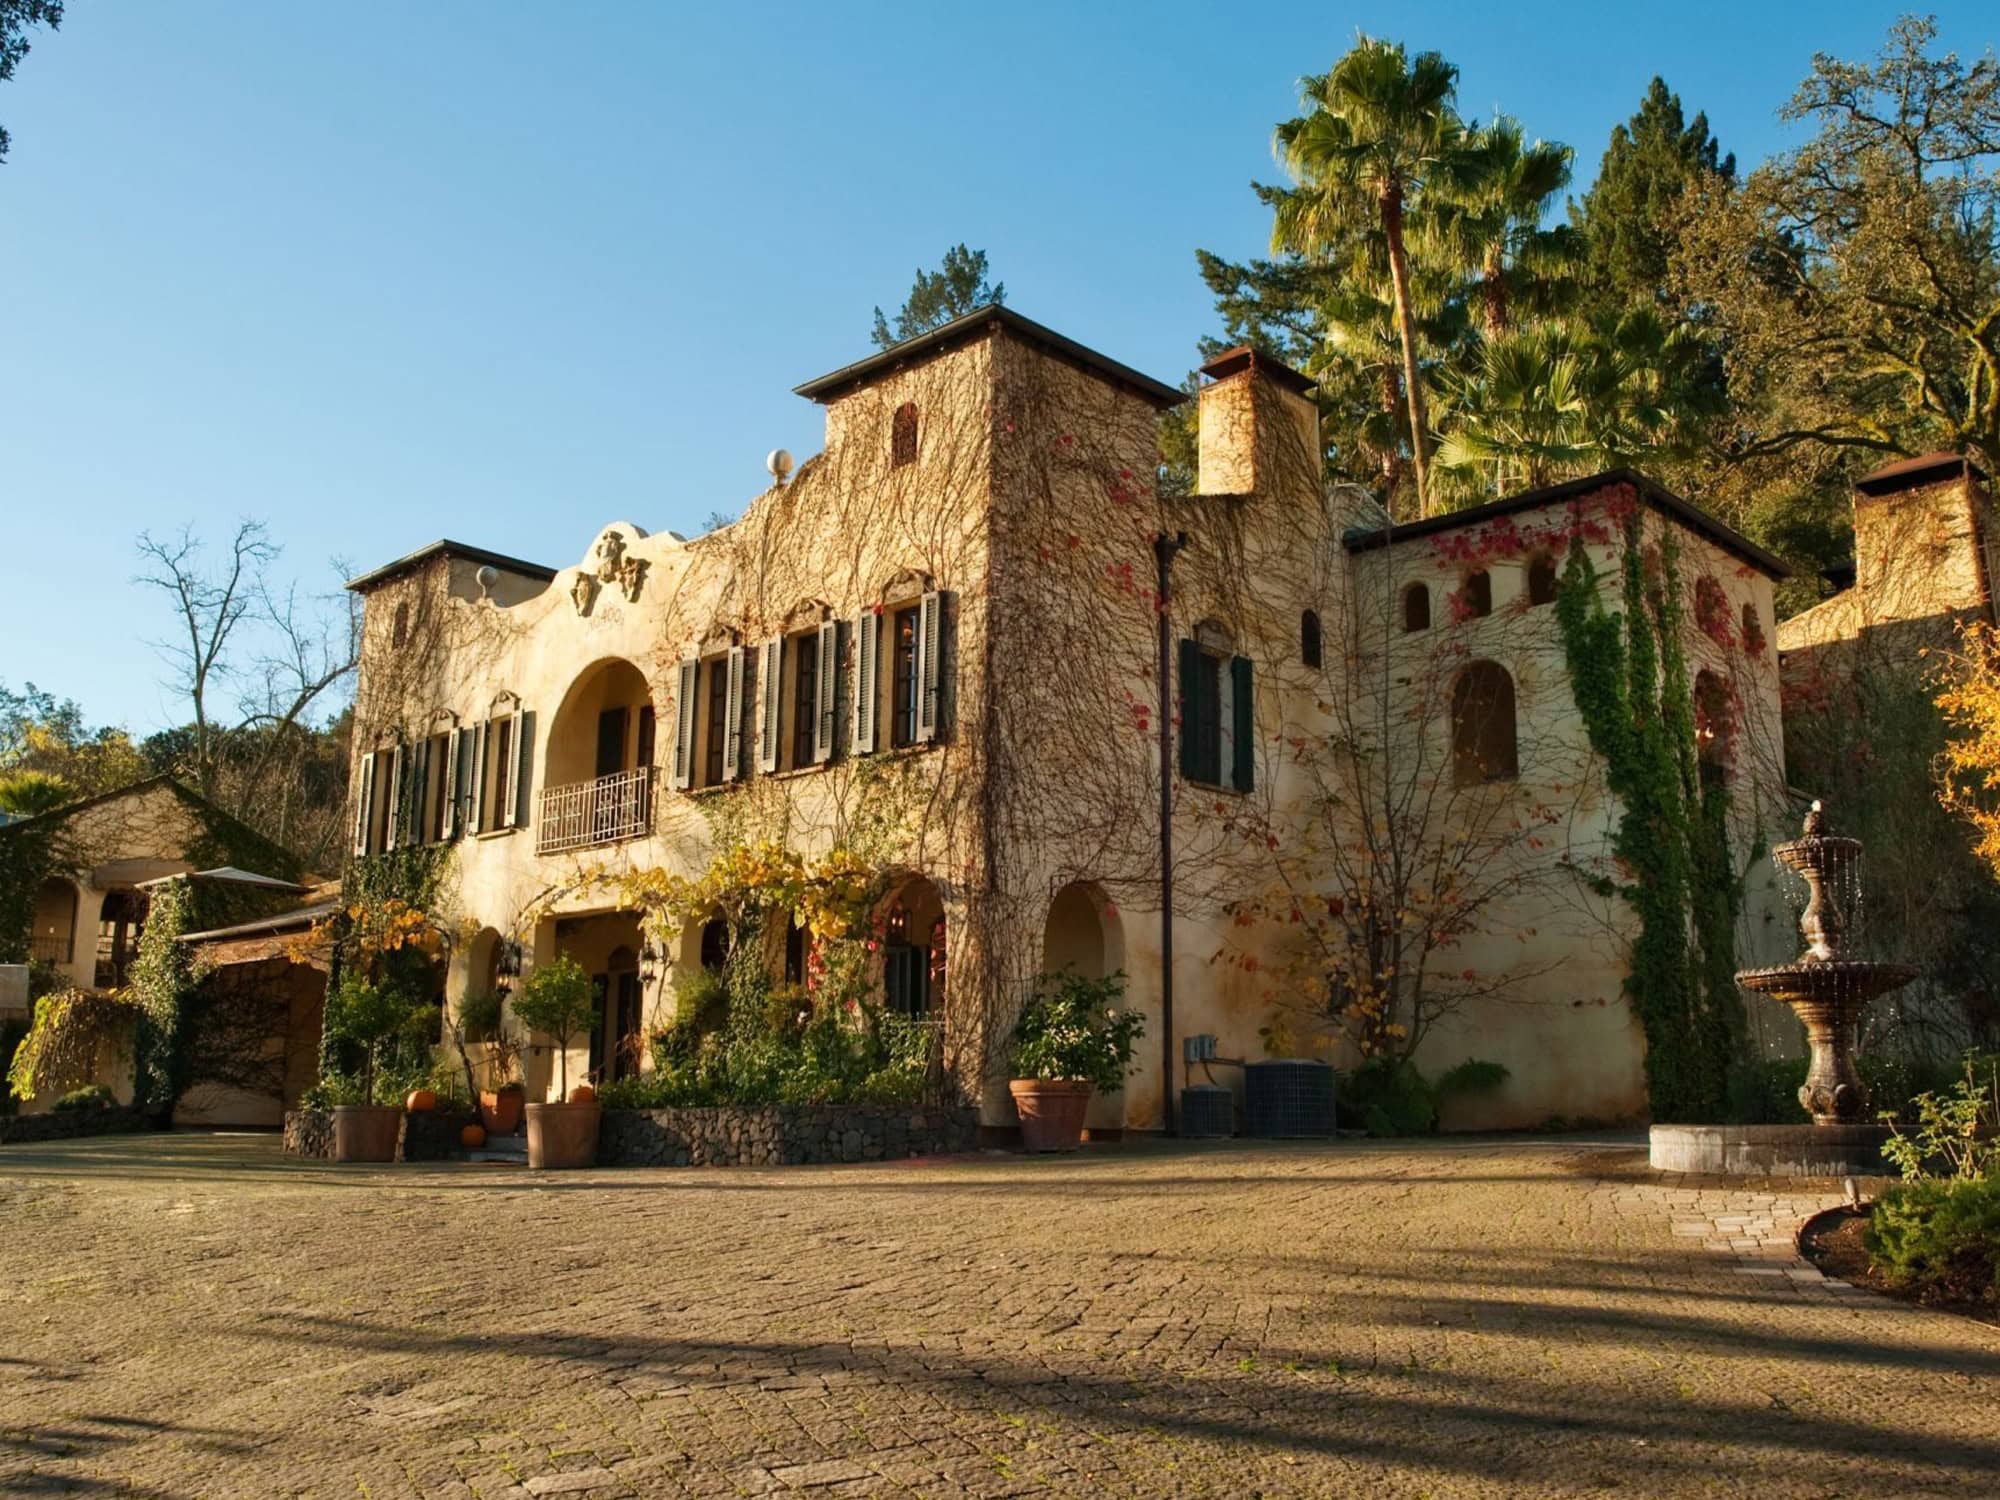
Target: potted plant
x=368, y=1015
x=482, y=1019
x=557, y=1000
x=1070, y=1040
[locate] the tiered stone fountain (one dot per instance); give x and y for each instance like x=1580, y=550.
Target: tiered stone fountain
x=1828, y=991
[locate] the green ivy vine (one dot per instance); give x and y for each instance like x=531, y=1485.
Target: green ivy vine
x=1629, y=675
x=162, y=980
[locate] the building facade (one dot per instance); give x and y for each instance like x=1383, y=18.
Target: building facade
x=943, y=638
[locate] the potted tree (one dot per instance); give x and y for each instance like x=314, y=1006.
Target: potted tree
x=482, y=1019
x=1070, y=1040
x=369, y=1015
x=558, y=1001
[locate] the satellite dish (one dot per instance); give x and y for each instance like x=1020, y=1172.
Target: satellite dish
x=779, y=463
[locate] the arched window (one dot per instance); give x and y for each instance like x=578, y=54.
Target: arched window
x=1309, y=642
x=399, y=627
x=715, y=945
x=1714, y=726
x=903, y=436
x=1482, y=725
x=1541, y=579
x=1416, y=608
x=1477, y=594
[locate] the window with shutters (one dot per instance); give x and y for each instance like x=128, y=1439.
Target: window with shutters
x=715, y=719
x=1483, y=744
x=1416, y=608
x=433, y=803
x=903, y=436
x=1217, y=703
x=802, y=652
x=496, y=814
x=902, y=677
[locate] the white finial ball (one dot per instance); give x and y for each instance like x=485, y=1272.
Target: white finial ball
x=1816, y=807
x=779, y=463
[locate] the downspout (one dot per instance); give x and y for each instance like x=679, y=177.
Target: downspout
x=1164, y=548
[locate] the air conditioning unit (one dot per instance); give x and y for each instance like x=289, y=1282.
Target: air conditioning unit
x=1288, y=1098
x=1208, y=1111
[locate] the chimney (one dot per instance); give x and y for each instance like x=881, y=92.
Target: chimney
x=1259, y=427
x=1923, y=539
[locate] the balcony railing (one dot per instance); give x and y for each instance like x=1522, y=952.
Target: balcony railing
x=50, y=950
x=604, y=811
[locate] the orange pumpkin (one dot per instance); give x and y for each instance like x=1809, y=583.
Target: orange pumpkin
x=421, y=1102
x=583, y=1093
x=473, y=1136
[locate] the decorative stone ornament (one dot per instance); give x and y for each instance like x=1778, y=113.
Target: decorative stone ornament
x=614, y=567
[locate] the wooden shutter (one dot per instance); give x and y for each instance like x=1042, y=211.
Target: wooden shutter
x=1243, y=729
x=684, y=716
x=392, y=825
x=769, y=703
x=521, y=772
x=867, y=680
x=825, y=691
x=449, y=783
x=732, y=715
x=364, y=802
x=929, y=664
x=475, y=780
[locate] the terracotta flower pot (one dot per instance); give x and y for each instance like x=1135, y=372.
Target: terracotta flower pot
x=366, y=1132
x=500, y=1112
x=1052, y=1112
x=562, y=1135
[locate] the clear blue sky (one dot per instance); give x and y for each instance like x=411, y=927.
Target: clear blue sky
x=380, y=273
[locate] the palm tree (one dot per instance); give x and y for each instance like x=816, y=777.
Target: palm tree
x=1375, y=131
x=26, y=793
x=1489, y=220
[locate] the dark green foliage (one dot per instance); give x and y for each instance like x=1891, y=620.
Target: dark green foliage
x=956, y=288
x=1626, y=218
x=1473, y=1076
x=16, y=16
x=1628, y=673
x=1387, y=1096
x=1766, y=1091
x=13, y=1031
x=371, y=1017
x=1939, y=1236
x=91, y=1096
x=1072, y=1029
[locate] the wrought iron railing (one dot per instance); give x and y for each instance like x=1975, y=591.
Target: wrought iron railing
x=605, y=811
x=51, y=950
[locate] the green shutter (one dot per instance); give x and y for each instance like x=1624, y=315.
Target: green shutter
x=1244, y=730
x=1191, y=710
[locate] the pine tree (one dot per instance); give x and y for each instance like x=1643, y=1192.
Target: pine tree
x=1627, y=216
x=956, y=288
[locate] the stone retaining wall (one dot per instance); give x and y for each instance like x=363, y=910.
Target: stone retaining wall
x=67, y=1124
x=309, y=1132
x=780, y=1135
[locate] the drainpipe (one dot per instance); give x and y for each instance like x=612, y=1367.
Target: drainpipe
x=1164, y=548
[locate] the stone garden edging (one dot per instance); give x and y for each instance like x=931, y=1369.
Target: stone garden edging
x=68, y=1124
x=781, y=1135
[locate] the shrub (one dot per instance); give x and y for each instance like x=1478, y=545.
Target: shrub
x=1473, y=1076
x=1072, y=1029
x=1939, y=1235
x=1957, y=1131
x=1388, y=1096
x=94, y=1096
x=371, y=1016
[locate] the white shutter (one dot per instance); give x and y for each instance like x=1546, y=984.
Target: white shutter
x=449, y=786
x=364, y=802
x=769, y=703
x=516, y=812
x=825, y=693
x=929, y=665
x=732, y=715
x=475, y=791
x=684, y=706
x=395, y=819
x=867, y=684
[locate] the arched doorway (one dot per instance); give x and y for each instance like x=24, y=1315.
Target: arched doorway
x=615, y=1034
x=913, y=950
x=120, y=923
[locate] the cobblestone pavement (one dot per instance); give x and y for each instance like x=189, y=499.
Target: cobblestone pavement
x=195, y=1316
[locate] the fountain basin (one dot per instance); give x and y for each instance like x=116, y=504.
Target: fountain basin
x=1770, y=1150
